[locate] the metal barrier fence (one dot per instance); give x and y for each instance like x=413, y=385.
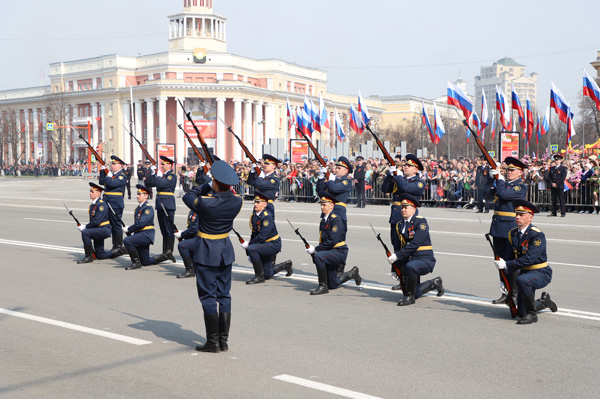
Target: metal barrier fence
x=451, y=195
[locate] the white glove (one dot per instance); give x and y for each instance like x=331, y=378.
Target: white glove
x=323, y=169
x=310, y=250
x=201, y=164
x=253, y=166
x=500, y=264
x=400, y=173
x=81, y=227
x=494, y=172
x=332, y=177
x=159, y=173
x=249, y=259
x=392, y=170
x=153, y=167
x=393, y=258
x=125, y=229
x=178, y=234
x=209, y=174
x=109, y=174
x=245, y=244
x=262, y=174
x=500, y=176
x=395, y=276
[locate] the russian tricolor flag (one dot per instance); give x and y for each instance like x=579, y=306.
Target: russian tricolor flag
x=560, y=105
x=355, y=121
x=338, y=127
x=460, y=100
x=502, y=109
x=438, y=124
x=545, y=128
x=529, y=118
x=590, y=88
x=477, y=124
x=314, y=116
x=426, y=122
x=484, y=112
x=516, y=105
x=307, y=116
x=537, y=130
x=362, y=108
x=493, y=127
x=290, y=114
x=323, y=119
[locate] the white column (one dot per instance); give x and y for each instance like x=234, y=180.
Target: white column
x=95, y=140
x=162, y=119
x=150, y=127
x=102, y=137
x=27, y=113
x=180, y=140
x=258, y=127
x=212, y=30
x=237, y=127
x=137, y=152
x=269, y=121
x=247, y=137
x=220, y=144
x=124, y=135
x=44, y=139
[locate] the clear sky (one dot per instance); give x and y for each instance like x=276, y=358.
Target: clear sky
x=380, y=47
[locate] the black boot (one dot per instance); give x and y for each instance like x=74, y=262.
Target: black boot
x=531, y=316
x=115, y=253
x=502, y=300
x=411, y=286
x=159, y=259
x=259, y=274
x=89, y=255
x=351, y=274
x=435, y=284
x=322, y=288
x=189, y=268
x=340, y=268
x=135, y=260
x=169, y=251
x=211, y=322
x=547, y=303
x=287, y=265
x=119, y=242
x=224, y=322
x=115, y=242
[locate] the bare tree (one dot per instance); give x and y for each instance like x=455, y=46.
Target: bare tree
x=59, y=112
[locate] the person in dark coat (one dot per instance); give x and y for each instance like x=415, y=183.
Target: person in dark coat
x=142, y=231
x=114, y=183
x=483, y=184
x=359, y=182
x=556, y=178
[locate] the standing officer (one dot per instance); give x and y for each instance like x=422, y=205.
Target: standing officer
x=339, y=185
x=267, y=182
x=483, y=184
x=359, y=182
x=557, y=176
x=529, y=258
x=97, y=229
x=140, y=172
x=129, y=173
x=165, y=181
x=508, y=190
x=415, y=252
x=405, y=181
x=213, y=254
x=149, y=170
x=114, y=190
x=332, y=250
x=138, y=244
x=264, y=242
x=188, y=242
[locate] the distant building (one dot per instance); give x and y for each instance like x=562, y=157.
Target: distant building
x=503, y=73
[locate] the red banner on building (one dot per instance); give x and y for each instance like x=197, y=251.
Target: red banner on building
x=298, y=151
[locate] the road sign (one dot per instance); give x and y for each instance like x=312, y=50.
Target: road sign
x=49, y=126
x=554, y=147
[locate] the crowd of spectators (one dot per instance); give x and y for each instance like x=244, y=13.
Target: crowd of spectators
x=44, y=169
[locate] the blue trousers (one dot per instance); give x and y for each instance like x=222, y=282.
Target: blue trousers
x=140, y=242
x=97, y=235
x=528, y=282
x=416, y=268
x=263, y=253
x=330, y=259
x=165, y=222
x=115, y=225
x=186, y=248
x=213, y=285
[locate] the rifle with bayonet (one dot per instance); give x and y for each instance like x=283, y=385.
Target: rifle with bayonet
x=395, y=264
x=297, y=231
x=95, y=154
x=239, y=236
x=142, y=147
x=314, y=150
x=503, y=277
x=72, y=215
x=385, y=152
x=244, y=148
x=188, y=115
x=189, y=139
x=118, y=218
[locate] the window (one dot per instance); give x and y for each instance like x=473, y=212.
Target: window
x=112, y=132
x=157, y=132
x=110, y=112
x=109, y=82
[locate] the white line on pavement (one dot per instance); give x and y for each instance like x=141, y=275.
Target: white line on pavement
x=323, y=387
x=87, y=330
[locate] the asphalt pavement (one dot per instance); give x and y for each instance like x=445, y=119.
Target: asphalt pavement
x=98, y=331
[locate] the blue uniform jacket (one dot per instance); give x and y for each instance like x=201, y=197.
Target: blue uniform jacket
x=340, y=189
x=397, y=185
x=114, y=188
x=143, y=218
x=98, y=213
x=165, y=189
x=332, y=233
x=216, y=212
x=268, y=185
x=415, y=241
x=263, y=228
x=530, y=250
x=503, y=220
x=192, y=227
